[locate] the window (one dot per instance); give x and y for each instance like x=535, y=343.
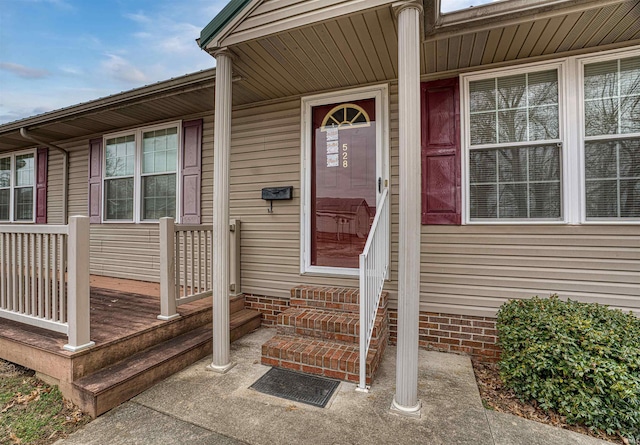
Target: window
x=612, y=138
x=140, y=175
x=531, y=157
x=514, y=154
x=17, y=187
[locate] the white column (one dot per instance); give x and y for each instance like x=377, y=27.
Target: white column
x=220, y=261
x=406, y=397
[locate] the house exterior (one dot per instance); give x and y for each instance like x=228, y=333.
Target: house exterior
x=505, y=137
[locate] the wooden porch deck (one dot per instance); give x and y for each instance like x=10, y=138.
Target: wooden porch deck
x=119, y=309
x=129, y=340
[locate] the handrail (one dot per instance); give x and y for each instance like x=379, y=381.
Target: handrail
x=185, y=263
x=374, y=270
x=44, y=278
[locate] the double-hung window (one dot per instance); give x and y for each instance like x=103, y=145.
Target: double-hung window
x=612, y=138
x=531, y=157
x=514, y=147
x=140, y=175
x=17, y=187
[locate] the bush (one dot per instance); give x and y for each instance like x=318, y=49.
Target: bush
x=580, y=360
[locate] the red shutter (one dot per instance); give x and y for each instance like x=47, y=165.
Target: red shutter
x=190, y=156
x=95, y=180
x=440, y=152
x=42, y=167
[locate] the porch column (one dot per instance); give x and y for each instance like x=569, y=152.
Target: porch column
x=220, y=261
x=406, y=397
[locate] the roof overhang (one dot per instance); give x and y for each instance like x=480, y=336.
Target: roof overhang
x=224, y=22
x=171, y=99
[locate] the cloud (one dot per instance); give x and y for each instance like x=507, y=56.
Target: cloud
x=139, y=17
x=122, y=70
x=24, y=71
x=71, y=70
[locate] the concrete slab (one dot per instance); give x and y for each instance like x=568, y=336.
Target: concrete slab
x=197, y=402
x=512, y=430
x=133, y=424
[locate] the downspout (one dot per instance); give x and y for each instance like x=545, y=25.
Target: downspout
x=65, y=167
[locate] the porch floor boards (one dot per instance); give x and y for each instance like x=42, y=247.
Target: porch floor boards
x=116, y=314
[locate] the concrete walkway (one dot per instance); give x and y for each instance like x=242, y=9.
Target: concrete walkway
x=196, y=407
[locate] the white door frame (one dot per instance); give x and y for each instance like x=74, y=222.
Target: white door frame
x=381, y=95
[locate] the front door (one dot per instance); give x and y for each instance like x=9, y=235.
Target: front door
x=344, y=181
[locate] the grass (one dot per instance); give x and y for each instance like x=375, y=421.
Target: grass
x=33, y=412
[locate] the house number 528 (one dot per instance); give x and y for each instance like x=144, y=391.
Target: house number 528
x=345, y=155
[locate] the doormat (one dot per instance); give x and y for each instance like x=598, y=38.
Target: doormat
x=290, y=385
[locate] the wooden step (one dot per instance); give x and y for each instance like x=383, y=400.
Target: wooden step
x=330, y=359
x=107, y=388
x=115, y=384
x=242, y=322
x=341, y=299
x=328, y=325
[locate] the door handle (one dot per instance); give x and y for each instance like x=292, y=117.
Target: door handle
x=379, y=185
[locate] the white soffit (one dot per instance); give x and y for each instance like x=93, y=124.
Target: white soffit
x=275, y=16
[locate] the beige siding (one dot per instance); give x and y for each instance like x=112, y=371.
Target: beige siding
x=266, y=152
x=121, y=250
x=474, y=269
x=464, y=269
x=54, y=188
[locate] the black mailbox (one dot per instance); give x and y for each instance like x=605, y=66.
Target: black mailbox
x=276, y=194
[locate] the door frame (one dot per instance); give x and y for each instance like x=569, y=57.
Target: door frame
x=381, y=95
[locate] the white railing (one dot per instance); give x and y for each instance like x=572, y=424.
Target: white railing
x=185, y=264
x=374, y=270
x=44, y=278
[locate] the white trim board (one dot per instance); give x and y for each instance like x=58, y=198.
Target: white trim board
x=381, y=95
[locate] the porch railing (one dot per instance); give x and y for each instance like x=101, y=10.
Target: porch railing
x=44, y=278
x=185, y=264
x=374, y=270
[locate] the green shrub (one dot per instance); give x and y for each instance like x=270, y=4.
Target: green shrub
x=580, y=360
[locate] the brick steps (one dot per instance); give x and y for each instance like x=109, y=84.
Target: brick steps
x=319, y=334
x=313, y=356
x=326, y=325
x=340, y=299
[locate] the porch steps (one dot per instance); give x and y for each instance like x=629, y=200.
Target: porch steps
x=112, y=385
x=319, y=334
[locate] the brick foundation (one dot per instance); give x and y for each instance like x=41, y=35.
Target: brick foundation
x=270, y=307
x=475, y=336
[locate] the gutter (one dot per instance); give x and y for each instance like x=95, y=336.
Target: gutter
x=65, y=167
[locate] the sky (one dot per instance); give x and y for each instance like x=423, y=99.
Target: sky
x=58, y=53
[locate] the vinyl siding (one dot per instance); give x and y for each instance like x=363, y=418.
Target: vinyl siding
x=467, y=270
x=123, y=250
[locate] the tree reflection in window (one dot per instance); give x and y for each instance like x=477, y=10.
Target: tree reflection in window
x=515, y=182
x=612, y=138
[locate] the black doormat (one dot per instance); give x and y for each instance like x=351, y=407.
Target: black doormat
x=295, y=386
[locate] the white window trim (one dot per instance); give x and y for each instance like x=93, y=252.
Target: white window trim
x=570, y=93
x=137, y=175
x=381, y=95
x=566, y=175
x=580, y=62
x=12, y=185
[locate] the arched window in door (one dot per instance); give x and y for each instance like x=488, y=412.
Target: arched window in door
x=346, y=116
